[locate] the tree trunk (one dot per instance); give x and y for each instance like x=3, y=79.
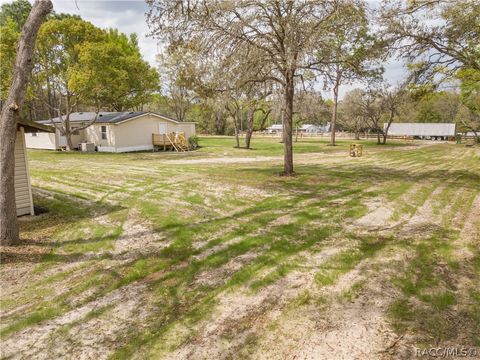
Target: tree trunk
x=235, y=124
x=248, y=135
x=357, y=135
x=385, y=132
x=333, y=125
x=68, y=137
x=264, y=120
x=287, y=125
x=378, y=137
x=8, y=123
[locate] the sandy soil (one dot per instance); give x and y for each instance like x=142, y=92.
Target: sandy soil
x=259, y=325
x=83, y=337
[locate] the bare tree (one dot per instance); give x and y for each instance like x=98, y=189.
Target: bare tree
x=391, y=101
x=371, y=108
x=255, y=100
x=9, y=233
x=354, y=53
x=350, y=111
x=378, y=107
x=178, y=69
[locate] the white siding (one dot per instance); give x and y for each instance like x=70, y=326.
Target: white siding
x=42, y=140
x=421, y=129
x=136, y=134
x=23, y=193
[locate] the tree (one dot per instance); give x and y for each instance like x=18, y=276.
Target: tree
x=178, y=69
x=350, y=110
x=112, y=76
x=78, y=64
x=371, y=110
x=353, y=53
x=284, y=34
x=8, y=43
x=9, y=233
x=391, y=101
x=378, y=108
x=310, y=107
x=58, y=51
x=16, y=11
x=140, y=80
x=470, y=96
x=439, y=48
x=436, y=106
x=255, y=96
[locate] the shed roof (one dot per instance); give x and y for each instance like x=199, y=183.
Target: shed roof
x=31, y=126
x=422, y=129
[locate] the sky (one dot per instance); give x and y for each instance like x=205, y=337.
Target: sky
x=129, y=16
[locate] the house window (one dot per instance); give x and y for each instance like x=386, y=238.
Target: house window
x=35, y=133
x=75, y=131
x=103, y=130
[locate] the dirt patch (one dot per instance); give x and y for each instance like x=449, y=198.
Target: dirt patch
x=377, y=218
x=80, y=333
x=336, y=328
x=224, y=160
x=424, y=221
x=138, y=238
x=241, y=313
x=470, y=232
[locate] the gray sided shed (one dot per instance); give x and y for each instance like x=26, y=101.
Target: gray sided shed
x=422, y=129
x=23, y=189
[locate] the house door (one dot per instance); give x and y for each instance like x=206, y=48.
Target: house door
x=162, y=128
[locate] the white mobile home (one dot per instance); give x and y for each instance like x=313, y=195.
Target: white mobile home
x=440, y=131
x=313, y=129
x=23, y=190
x=113, y=131
x=275, y=128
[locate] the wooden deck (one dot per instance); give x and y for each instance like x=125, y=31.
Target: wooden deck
x=171, y=141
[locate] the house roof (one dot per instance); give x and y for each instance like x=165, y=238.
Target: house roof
x=31, y=126
x=422, y=129
x=107, y=117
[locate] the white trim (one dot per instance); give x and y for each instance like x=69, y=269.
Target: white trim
x=106, y=148
x=32, y=211
x=124, y=149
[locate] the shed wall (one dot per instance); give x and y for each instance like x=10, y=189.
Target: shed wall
x=42, y=140
x=23, y=192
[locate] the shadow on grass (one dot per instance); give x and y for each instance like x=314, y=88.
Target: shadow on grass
x=61, y=213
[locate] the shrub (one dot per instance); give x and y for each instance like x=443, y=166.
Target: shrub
x=193, y=142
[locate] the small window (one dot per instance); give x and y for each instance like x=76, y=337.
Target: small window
x=35, y=133
x=75, y=131
x=103, y=130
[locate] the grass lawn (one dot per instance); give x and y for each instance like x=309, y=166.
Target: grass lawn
x=210, y=254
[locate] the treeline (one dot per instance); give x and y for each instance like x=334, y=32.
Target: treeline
x=368, y=110
x=78, y=67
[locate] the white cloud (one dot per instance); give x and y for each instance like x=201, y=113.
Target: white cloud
x=127, y=16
